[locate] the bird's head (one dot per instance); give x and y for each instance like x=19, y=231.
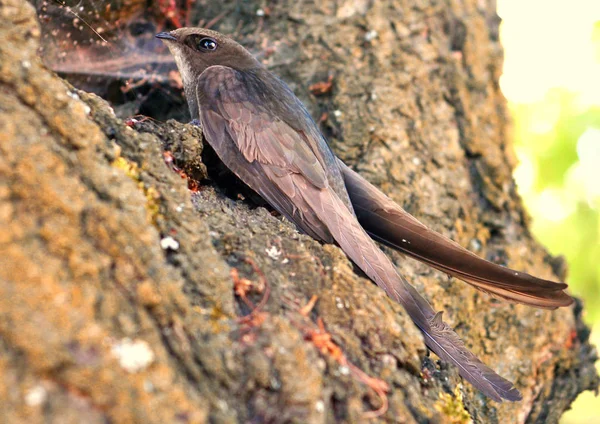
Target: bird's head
x=195, y=49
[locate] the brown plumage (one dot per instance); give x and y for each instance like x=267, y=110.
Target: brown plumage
x=388, y=223
x=263, y=133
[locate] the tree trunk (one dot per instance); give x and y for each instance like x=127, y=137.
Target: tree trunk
x=121, y=288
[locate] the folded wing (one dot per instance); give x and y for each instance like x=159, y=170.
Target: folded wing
x=274, y=155
x=388, y=223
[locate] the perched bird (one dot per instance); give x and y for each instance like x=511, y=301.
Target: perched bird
x=264, y=135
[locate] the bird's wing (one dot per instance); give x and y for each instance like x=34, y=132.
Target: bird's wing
x=261, y=149
x=276, y=161
x=388, y=223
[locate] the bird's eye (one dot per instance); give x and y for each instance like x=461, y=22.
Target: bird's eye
x=207, y=44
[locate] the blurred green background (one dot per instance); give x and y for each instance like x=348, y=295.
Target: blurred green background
x=552, y=82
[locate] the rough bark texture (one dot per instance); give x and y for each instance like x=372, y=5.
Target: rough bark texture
x=106, y=256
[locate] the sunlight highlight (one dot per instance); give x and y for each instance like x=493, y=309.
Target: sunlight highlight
x=549, y=44
x=552, y=82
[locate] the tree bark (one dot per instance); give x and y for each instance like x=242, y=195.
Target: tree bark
x=117, y=282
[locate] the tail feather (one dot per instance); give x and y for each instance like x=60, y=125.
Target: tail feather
x=388, y=223
x=439, y=337
x=470, y=367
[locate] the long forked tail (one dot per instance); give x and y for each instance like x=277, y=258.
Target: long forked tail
x=439, y=337
x=388, y=223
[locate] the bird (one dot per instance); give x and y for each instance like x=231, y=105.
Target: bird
x=263, y=133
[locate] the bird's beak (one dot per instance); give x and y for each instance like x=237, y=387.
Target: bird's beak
x=166, y=36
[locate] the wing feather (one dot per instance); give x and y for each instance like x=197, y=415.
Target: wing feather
x=388, y=223
x=284, y=164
